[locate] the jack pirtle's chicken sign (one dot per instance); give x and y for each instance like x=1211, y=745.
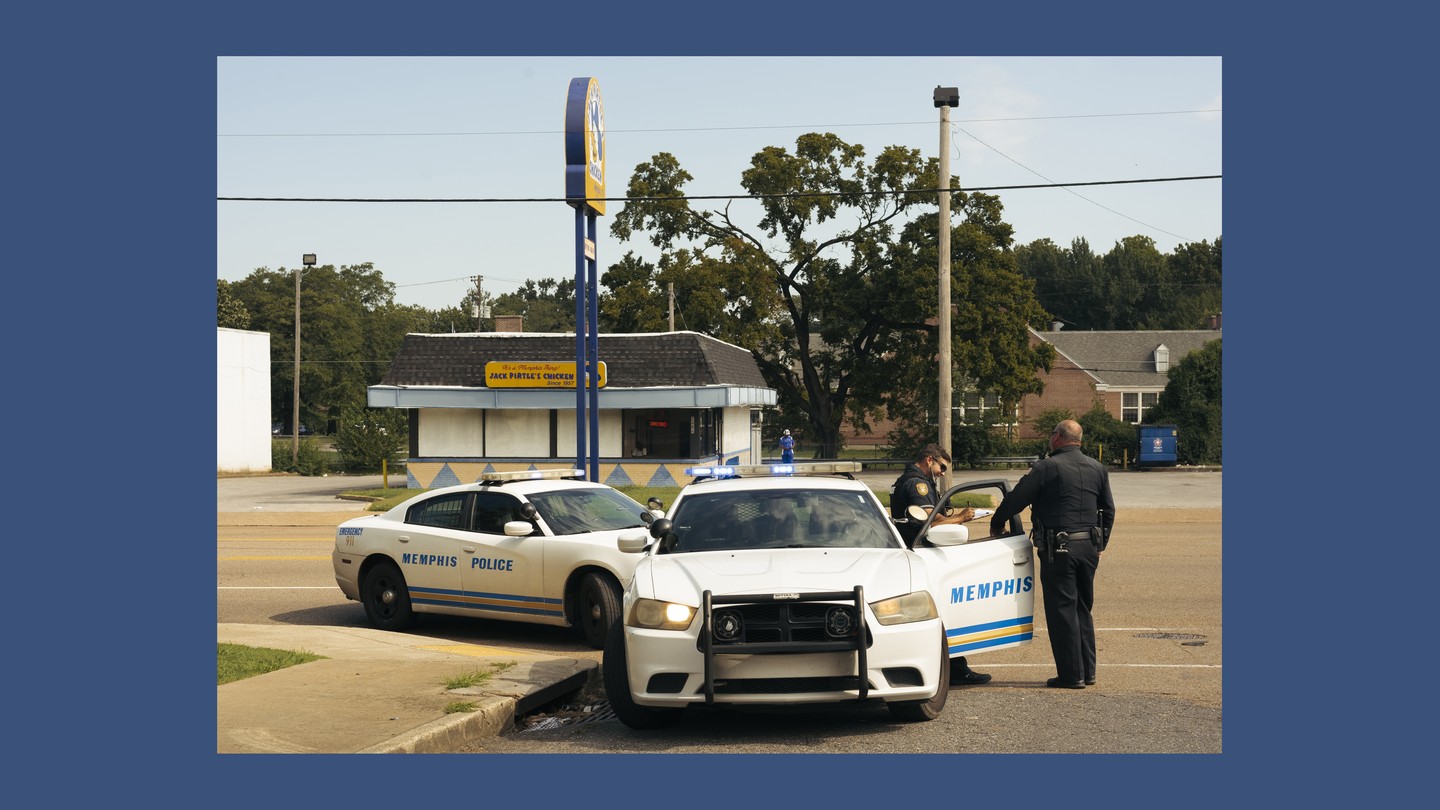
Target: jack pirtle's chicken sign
x=501, y=374
x=585, y=145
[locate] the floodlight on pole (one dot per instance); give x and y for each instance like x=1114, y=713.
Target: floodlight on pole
x=945, y=98
x=308, y=260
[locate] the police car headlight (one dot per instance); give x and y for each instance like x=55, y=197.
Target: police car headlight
x=657, y=615
x=912, y=607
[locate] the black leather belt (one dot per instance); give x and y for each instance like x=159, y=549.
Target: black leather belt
x=1080, y=535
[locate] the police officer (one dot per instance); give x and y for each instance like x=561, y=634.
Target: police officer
x=787, y=448
x=916, y=487
x=1073, y=510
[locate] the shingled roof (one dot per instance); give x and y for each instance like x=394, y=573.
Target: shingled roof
x=686, y=359
x=1127, y=359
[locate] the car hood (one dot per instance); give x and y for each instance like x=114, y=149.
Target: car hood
x=883, y=573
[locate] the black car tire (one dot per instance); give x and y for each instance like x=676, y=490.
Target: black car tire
x=386, y=598
x=617, y=687
x=915, y=711
x=597, y=607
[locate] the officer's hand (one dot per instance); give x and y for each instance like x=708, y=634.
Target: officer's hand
x=997, y=529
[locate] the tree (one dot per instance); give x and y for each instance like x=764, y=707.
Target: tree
x=230, y=312
x=350, y=331
x=547, y=305
x=834, y=310
x=1191, y=402
x=366, y=437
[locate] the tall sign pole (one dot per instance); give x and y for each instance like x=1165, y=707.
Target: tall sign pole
x=585, y=190
x=945, y=98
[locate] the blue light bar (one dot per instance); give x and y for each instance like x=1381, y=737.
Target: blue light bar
x=710, y=472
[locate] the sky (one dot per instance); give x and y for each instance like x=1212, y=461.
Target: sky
x=493, y=128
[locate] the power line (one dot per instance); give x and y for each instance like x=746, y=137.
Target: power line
x=693, y=129
x=787, y=195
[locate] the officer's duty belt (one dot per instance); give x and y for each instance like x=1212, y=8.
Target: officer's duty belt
x=1080, y=535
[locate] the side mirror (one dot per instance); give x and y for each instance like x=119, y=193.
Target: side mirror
x=655, y=504
x=519, y=528
x=916, y=513
x=632, y=542
x=660, y=527
x=948, y=534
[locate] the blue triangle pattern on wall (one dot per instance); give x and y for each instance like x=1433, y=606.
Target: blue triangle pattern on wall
x=662, y=478
x=411, y=482
x=445, y=478
x=618, y=478
x=489, y=468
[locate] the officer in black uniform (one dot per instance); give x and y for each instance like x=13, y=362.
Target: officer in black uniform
x=916, y=487
x=1073, y=510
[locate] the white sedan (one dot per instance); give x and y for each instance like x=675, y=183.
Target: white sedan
x=790, y=584
x=536, y=546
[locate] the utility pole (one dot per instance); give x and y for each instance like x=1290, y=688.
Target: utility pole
x=672, y=306
x=945, y=98
x=479, y=312
x=308, y=260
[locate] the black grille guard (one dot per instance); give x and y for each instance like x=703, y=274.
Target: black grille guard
x=858, y=646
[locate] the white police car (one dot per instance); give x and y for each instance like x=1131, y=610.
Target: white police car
x=535, y=546
x=789, y=584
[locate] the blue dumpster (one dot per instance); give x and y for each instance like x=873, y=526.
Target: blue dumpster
x=1157, y=446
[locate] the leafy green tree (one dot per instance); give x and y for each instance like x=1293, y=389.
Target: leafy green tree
x=838, y=313
x=1108, y=437
x=1191, y=402
x=350, y=331
x=547, y=305
x=366, y=437
x=230, y=312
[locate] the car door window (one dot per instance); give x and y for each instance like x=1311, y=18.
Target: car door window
x=493, y=510
x=444, y=511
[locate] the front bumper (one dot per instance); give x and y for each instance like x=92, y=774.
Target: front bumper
x=669, y=668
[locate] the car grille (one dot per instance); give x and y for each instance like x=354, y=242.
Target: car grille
x=785, y=686
x=778, y=623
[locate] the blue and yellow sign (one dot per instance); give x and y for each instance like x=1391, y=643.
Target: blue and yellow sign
x=585, y=145
x=505, y=374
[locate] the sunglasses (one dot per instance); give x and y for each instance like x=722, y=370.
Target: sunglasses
x=943, y=467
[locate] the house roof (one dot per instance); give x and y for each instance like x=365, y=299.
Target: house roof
x=1127, y=359
x=664, y=359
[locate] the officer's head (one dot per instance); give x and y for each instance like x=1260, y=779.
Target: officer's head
x=1066, y=432
x=934, y=459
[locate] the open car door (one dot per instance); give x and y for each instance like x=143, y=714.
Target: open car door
x=983, y=586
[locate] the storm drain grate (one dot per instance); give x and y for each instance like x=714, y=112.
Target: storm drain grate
x=568, y=716
x=1171, y=636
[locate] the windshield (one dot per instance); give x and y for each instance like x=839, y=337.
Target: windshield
x=573, y=511
x=780, y=519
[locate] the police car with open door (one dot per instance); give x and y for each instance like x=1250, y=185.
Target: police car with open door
x=533, y=546
x=790, y=584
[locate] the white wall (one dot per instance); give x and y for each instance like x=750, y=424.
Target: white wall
x=242, y=401
x=451, y=432
x=736, y=438
x=516, y=432
x=610, y=434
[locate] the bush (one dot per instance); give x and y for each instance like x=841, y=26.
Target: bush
x=1107, y=438
x=310, y=461
x=366, y=437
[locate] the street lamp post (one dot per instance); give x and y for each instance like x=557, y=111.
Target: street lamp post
x=309, y=261
x=945, y=98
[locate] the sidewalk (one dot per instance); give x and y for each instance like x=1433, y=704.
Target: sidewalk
x=380, y=692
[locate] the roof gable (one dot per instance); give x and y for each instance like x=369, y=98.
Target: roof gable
x=1127, y=359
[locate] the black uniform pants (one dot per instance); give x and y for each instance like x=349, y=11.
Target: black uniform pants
x=1069, y=594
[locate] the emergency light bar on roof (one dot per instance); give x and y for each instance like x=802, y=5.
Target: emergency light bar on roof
x=809, y=468
x=529, y=475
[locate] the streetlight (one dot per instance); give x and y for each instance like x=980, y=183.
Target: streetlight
x=945, y=98
x=309, y=261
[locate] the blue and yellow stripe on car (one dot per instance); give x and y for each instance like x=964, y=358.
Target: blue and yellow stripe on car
x=990, y=635
x=500, y=602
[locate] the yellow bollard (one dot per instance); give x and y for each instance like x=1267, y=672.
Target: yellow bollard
x=384, y=474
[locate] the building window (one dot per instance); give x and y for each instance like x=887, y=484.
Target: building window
x=671, y=432
x=982, y=409
x=1134, y=404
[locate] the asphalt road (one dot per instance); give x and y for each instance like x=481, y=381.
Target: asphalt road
x=1158, y=617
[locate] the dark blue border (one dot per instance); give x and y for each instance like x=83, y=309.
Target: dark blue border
x=112, y=120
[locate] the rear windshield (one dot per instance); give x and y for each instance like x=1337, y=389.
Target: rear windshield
x=574, y=511
x=780, y=519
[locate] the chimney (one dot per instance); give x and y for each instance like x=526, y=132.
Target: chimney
x=1215, y=321
x=509, y=323
x=1056, y=326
